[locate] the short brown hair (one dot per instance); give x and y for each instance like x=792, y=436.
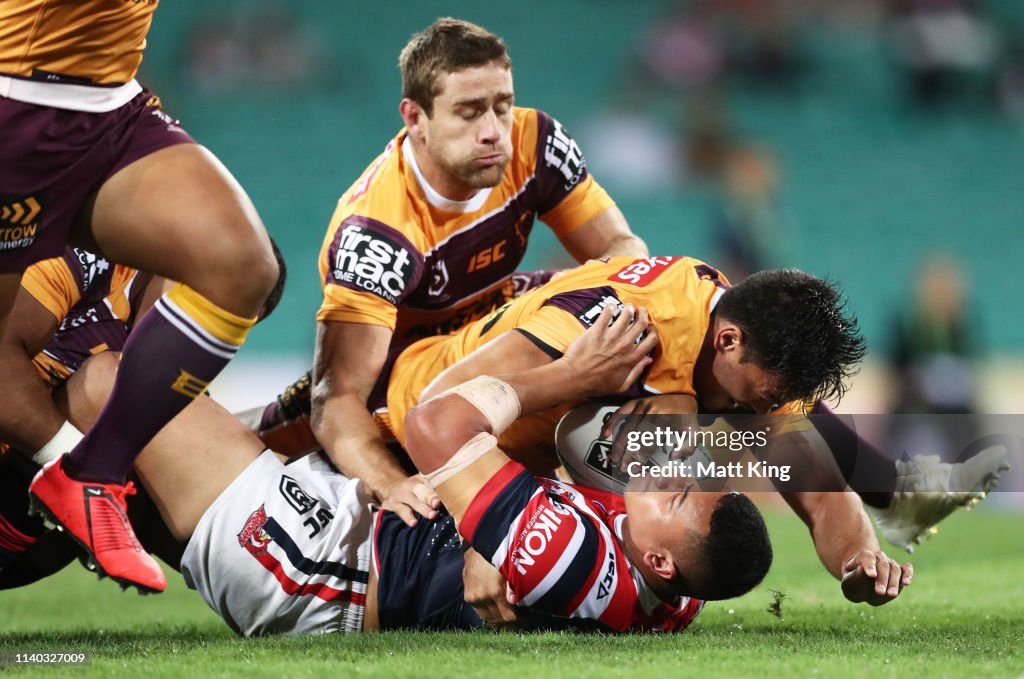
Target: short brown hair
x=446, y=46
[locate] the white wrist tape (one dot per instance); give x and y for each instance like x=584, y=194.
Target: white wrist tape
x=497, y=400
x=66, y=438
x=469, y=453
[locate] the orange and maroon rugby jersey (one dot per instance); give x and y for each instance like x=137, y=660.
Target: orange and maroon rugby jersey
x=392, y=257
x=94, y=303
x=90, y=42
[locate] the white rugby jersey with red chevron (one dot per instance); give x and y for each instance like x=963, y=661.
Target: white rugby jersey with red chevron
x=559, y=547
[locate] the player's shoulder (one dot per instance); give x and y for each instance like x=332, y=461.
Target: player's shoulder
x=531, y=132
x=381, y=197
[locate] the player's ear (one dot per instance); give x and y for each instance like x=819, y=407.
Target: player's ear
x=661, y=563
x=413, y=116
x=728, y=337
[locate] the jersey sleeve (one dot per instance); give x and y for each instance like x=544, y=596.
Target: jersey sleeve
x=569, y=195
x=565, y=316
x=53, y=284
x=548, y=550
x=368, y=268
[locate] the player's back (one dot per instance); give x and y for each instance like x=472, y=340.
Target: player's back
x=98, y=42
x=678, y=292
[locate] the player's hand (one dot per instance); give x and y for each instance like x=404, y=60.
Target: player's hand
x=675, y=411
x=872, y=577
x=409, y=495
x=487, y=592
x=611, y=355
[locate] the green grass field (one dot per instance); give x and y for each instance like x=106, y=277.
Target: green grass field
x=962, y=617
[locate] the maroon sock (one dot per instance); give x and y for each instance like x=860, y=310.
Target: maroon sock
x=168, y=360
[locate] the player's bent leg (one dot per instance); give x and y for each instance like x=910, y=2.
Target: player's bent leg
x=177, y=213
x=189, y=463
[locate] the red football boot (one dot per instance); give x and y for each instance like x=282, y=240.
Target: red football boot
x=96, y=516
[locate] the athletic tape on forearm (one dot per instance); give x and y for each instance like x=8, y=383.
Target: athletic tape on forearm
x=469, y=453
x=497, y=400
x=66, y=438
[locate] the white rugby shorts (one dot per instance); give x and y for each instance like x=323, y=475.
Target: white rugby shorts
x=285, y=549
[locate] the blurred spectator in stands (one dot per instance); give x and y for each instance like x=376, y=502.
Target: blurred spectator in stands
x=683, y=51
x=748, y=224
x=935, y=343
x=934, y=349
x=630, y=149
x=261, y=47
x=1010, y=84
x=948, y=50
x=699, y=43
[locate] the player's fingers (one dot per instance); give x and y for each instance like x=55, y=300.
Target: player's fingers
x=426, y=495
x=621, y=325
x=604, y=319
x=510, y=596
x=684, y=450
x=637, y=327
x=869, y=561
x=612, y=424
x=403, y=511
x=637, y=371
x=853, y=570
x=650, y=341
x=895, y=573
x=908, y=573
x=882, y=579
x=508, y=613
x=420, y=507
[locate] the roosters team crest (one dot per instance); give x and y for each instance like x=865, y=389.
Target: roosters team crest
x=252, y=535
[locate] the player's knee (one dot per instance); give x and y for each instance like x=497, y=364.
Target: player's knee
x=254, y=275
x=96, y=377
x=249, y=281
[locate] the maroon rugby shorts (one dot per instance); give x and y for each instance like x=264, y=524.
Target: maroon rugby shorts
x=52, y=160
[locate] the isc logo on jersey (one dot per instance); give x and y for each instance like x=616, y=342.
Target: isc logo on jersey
x=537, y=534
x=369, y=261
x=642, y=272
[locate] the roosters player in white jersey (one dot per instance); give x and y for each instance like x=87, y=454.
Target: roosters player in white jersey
x=429, y=236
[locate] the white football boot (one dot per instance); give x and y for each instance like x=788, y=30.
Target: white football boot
x=928, y=490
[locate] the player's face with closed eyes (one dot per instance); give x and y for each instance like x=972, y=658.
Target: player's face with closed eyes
x=469, y=134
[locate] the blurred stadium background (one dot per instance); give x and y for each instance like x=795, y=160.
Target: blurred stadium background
x=878, y=142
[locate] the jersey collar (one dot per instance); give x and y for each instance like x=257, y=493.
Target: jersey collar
x=435, y=198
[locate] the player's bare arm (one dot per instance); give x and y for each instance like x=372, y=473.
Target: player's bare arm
x=606, y=234
x=488, y=592
x=348, y=359
x=28, y=417
x=847, y=546
x=456, y=430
